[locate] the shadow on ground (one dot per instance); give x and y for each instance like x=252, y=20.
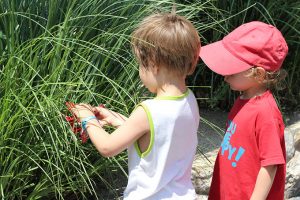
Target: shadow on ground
x=211, y=130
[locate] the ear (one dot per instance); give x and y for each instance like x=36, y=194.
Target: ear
x=261, y=73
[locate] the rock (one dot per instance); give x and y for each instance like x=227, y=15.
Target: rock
x=292, y=186
x=201, y=197
x=202, y=171
x=297, y=141
x=294, y=198
x=295, y=128
x=289, y=143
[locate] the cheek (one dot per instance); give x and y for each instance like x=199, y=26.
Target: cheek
x=236, y=83
x=231, y=80
x=142, y=73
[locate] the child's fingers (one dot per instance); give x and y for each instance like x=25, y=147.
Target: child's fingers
x=81, y=111
x=104, y=113
x=101, y=112
x=69, y=106
x=104, y=122
x=83, y=106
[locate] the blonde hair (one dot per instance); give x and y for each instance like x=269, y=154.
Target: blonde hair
x=166, y=40
x=272, y=80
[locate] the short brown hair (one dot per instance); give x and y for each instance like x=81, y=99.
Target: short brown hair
x=166, y=39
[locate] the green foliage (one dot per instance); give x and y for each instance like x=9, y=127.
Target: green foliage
x=53, y=52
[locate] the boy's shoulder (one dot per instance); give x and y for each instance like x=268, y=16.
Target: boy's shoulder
x=267, y=108
x=263, y=108
x=263, y=103
x=173, y=105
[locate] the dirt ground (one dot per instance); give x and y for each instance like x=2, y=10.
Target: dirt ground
x=211, y=130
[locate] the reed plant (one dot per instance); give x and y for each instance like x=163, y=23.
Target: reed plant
x=57, y=51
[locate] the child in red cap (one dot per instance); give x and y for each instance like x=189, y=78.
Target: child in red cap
x=252, y=157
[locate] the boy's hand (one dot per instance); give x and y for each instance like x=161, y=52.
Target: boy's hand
x=82, y=111
x=109, y=117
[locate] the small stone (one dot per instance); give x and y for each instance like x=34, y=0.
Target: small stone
x=289, y=143
x=297, y=141
x=292, y=183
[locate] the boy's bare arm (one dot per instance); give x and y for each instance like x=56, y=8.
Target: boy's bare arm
x=129, y=129
x=264, y=182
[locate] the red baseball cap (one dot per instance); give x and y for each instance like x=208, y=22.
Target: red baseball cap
x=251, y=44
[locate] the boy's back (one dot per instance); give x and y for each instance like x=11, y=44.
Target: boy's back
x=162, y=170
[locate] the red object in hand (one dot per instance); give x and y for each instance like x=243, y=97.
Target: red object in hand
x=75, y=123
x=97, y=113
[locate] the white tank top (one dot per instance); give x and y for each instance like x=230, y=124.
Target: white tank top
x=163, y=171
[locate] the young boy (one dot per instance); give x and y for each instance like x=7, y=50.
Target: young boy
x=161, y=133
x=251, y=160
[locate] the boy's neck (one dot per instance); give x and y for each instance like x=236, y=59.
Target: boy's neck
x=253, y=92
x=174, y=87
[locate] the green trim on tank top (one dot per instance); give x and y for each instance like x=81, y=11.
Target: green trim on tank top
x=148, y=150
x=174, y=97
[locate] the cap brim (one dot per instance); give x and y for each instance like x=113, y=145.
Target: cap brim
x=220, y=60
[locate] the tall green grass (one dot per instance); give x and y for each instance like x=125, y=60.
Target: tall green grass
x=53, y=52
x=57, y=51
